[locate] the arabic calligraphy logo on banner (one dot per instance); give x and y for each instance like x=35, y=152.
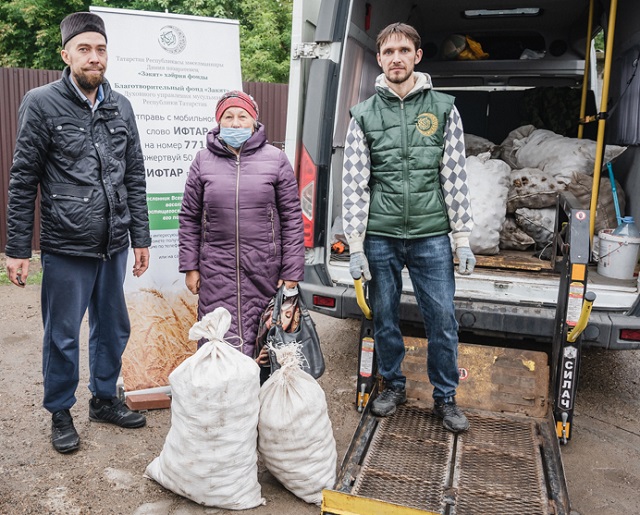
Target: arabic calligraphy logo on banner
x=172, y=39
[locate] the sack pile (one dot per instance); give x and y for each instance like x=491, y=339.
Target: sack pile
x=220, y=417
x=540, y=164
x=210, y=453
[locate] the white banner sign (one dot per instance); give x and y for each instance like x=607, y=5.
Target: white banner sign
x=173, y=69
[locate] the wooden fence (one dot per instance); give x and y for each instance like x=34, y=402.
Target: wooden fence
x=15, y=82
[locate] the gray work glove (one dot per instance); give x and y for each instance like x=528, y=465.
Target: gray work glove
x=359, y=266
x=466, y=260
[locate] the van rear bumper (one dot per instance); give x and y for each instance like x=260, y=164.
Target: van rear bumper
x=490, y=318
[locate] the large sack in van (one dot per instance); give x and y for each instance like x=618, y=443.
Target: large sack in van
x=507, y=151
x=295, y=437
x=581, y=186
x=488, y=181
x=210, y=453
x=538, y=223
x=559, y=155
x=512, y=237
x=532, y=187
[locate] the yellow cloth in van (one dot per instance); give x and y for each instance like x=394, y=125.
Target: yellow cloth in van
x=473, y=51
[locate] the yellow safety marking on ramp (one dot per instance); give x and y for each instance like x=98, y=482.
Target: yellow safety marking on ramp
x=339, y=503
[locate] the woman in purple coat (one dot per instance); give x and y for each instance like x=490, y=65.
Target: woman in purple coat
x=241, y=232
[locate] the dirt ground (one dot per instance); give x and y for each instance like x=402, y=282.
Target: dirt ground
x=602, y=462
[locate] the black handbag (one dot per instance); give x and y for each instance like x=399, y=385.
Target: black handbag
x=305, y=334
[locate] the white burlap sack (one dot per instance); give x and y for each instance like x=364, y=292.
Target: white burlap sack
x=507, y=152
x=537, y=223
x=513, y=237
x=534, y=188
x=488, y=181
x=295, y=438
x=210, y=454
x=581, y=186
x=559, y=155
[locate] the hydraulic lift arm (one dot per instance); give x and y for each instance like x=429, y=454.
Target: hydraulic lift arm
x=367, y=368
x=571, y=257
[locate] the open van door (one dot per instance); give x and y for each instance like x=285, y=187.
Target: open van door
x=303, y=27
x=316, y=46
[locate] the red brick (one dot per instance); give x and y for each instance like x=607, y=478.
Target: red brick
x=145, y=401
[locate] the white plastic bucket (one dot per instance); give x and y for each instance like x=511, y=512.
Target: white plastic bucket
x=618, y=255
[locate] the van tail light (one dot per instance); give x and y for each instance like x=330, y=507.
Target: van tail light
x=308, y=172
x=324, y=302
x=630, y=334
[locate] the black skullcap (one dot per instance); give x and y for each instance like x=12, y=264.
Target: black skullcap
x=77, y=23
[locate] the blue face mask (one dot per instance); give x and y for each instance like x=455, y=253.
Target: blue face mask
x=235, y=137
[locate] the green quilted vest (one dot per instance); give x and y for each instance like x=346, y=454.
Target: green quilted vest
x=406, y=140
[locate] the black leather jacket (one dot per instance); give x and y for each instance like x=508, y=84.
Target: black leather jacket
x=90, y=170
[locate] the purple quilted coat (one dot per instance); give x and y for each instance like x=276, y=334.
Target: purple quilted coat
x=241, y=227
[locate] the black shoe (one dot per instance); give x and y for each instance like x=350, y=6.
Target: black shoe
x=114, y=411
x=64, y=436
x=452, y=418
x=385, y=404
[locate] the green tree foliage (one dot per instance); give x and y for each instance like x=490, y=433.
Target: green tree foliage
x=599, y=41
x=265, y=40
x=30, y=33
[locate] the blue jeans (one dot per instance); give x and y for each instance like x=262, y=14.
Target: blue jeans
x=430, y=265
x=70, y=285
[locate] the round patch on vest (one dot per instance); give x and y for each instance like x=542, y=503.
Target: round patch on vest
x=427, y=124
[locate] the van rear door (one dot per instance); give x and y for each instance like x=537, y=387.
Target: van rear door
x=316, y=46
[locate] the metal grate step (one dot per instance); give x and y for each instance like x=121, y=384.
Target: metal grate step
x=499, y=468
x=495, y=467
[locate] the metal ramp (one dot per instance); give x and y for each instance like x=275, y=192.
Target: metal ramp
x=508, y=462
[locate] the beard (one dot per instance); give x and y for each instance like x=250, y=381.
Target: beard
x=398, y=77
x=88, y=82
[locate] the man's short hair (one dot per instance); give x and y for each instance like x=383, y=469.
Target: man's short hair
x=400, y=29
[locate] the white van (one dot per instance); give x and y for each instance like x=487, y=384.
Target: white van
x=535, y=49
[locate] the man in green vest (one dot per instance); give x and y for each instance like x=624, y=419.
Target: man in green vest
x=404, y=188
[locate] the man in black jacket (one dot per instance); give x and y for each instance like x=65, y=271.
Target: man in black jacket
x=78, y=141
